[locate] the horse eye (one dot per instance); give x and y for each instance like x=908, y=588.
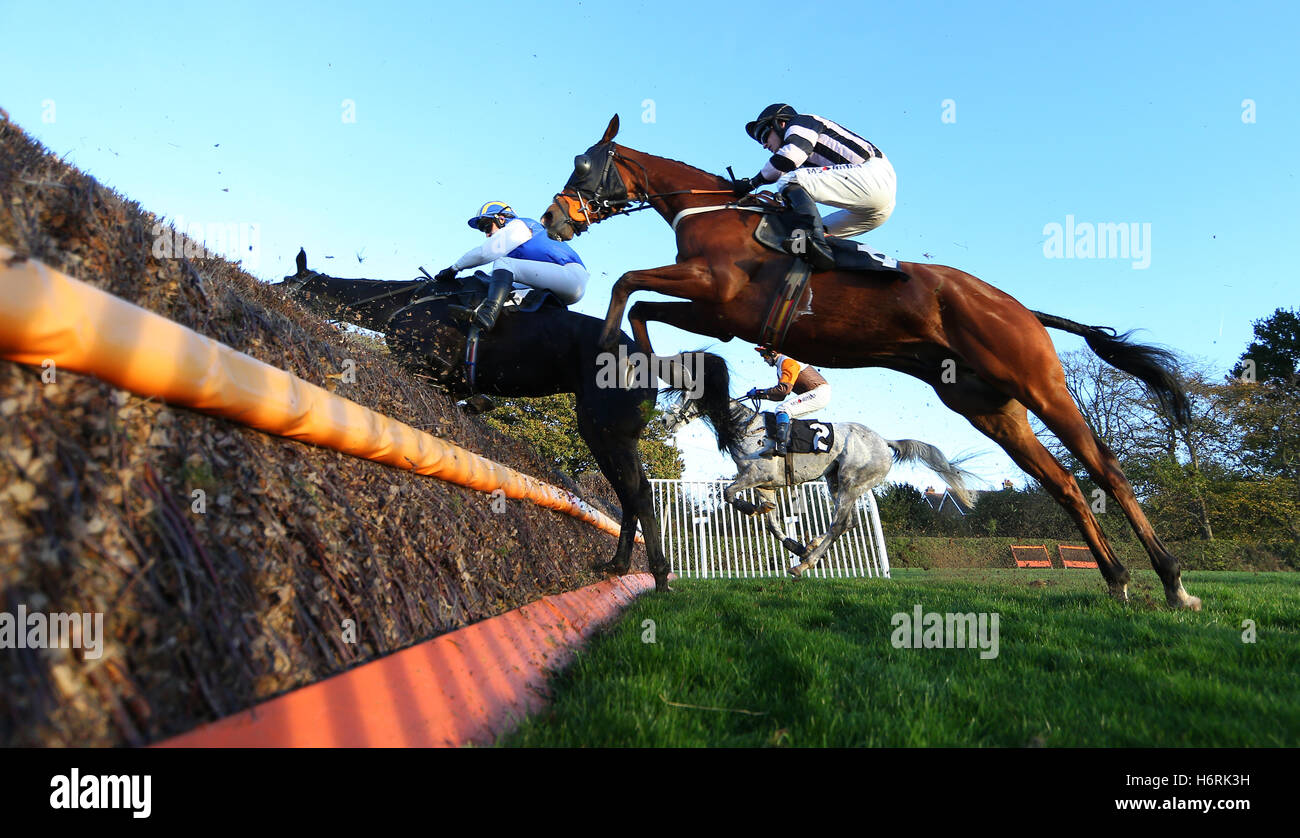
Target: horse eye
x=581, y=165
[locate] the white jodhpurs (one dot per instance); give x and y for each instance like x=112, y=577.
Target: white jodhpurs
x=805, y=403
x=568, y=282
x=864, y=193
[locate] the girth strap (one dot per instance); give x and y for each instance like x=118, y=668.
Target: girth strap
x=785, y=304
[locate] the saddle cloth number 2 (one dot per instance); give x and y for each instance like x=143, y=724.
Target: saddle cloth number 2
x=820, y=446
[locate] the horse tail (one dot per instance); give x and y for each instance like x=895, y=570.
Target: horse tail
x=710, y=391
x=1154, y=366
x=914, y=450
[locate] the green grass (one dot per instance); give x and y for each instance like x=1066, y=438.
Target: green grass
x=811, y=665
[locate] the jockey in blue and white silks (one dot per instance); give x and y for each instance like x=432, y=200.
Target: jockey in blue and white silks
x=519, y=251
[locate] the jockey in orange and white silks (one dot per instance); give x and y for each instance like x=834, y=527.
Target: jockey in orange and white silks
x=520, y=252
x=800, y=389
x=816, y=161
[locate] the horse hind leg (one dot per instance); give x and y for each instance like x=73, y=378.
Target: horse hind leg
x=1064, y=420
x=1033, y=376
x=1009, y=427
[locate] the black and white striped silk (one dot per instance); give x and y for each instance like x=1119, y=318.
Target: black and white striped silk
x=811, y=140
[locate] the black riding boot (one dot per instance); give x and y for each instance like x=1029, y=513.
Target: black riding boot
x=486, y=313
x=813, y=242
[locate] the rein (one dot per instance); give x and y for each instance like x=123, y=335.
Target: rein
x=629, y=205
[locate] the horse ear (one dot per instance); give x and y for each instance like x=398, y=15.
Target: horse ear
x=611, y=131
x=302, y=261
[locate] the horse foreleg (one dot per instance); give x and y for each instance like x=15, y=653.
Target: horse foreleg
x=620, y=461
x=772, y=522
x=841, y=521
x=685, y=316
x=693, y=279
x=744, y=480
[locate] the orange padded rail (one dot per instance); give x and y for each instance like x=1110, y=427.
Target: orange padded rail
x=465, y=687
x=48, y=316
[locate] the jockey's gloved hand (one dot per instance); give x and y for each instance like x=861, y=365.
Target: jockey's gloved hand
x=754, y=393
x=445, y=275
x=742, y=186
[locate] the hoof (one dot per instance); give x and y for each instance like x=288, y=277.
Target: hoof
x=611, y=569
x=794, y=547
x=661, y=583
x=796, y=571
x=1119, y=590
x=744, y=507
x=766, y=507
x=1181, y=599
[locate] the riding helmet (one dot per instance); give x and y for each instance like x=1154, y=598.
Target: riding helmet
x=770, y=114
x=491, y=209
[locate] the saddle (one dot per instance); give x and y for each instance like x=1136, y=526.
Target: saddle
x=458, y=374
x=777, y=225
x=807, y=436
x=474, y=290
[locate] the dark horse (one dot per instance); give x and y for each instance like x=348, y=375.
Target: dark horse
x=987, y=356
x=552, y=350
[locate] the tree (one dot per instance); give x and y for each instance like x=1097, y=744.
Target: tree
x=1275, y=352
x=550, y=425
x=903, y=510
x=1158, y=455
x=1111, y=403
x=1028, y=512
x=1267, y=410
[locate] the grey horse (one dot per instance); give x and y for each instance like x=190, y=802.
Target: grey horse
x=857, y=461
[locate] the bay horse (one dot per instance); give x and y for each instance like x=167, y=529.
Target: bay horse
x=552, y=350
x=987, y=356
x=855, y=462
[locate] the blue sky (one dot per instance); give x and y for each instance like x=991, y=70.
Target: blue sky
x=1106, y=112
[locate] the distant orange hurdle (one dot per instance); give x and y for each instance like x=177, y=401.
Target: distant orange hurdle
x=1028, y=555
x=1084, y=556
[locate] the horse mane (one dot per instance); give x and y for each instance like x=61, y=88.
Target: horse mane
x=714, y=401
x=715, y=181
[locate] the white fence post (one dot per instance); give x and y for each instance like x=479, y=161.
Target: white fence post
x=703, y=536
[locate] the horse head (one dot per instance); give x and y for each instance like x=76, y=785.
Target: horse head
x=710, y=400
x=595, y=191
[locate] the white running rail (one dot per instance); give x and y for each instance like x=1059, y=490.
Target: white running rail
x=705, y=537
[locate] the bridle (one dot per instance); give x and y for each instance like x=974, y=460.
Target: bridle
x=686, y=412
x=601, y=195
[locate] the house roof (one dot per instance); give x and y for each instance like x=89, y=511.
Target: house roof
x=939, y=501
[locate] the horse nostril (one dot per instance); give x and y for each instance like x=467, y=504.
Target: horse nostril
x=546, y=219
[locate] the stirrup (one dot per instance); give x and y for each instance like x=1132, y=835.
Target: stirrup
x=463, y=313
